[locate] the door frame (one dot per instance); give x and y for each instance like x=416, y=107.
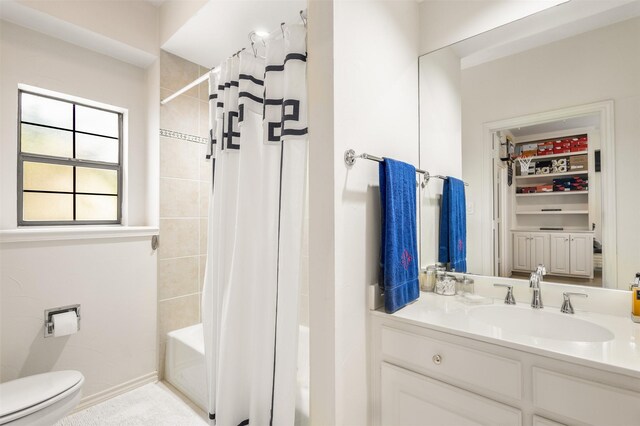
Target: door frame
x=605, y=110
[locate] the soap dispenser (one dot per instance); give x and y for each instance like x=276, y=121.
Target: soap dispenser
x=635, y=299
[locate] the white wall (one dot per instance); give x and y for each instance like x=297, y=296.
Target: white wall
x=32, y=58
x=131, y=22
x=174, y=14
x=444, y=22
x=113, y=279
x=114, y=282
x=369, y=104
x=440, y=139
x=595, y=66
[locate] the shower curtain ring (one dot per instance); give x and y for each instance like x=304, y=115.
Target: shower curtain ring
x=304, y=20
x=253, y=44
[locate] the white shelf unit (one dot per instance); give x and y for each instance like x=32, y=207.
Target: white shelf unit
x=553, y=194
x=556, y=212
x=566, y=154
x=532, y=213
x=552, y=175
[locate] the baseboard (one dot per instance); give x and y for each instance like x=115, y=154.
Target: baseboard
x=99, y=397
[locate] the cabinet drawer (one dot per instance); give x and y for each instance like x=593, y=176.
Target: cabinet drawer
x=411, y=399
x=584, y=400
x=481, y=370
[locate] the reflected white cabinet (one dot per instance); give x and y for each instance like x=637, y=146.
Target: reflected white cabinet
x=521, y=251
x=571, y=254
x=581, y=254
x=530, y=250
x=560, y=251
x=563, y=253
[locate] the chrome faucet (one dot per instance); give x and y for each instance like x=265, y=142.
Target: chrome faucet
x=534, y=282
x=567, y=307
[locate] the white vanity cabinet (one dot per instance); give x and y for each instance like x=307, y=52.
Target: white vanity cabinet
x=420, y=376
x=408, y=398
x=563, y=253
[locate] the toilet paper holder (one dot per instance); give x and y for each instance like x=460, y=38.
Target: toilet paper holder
x=49, y=313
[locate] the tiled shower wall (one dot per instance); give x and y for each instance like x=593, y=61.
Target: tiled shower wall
x=185, y=181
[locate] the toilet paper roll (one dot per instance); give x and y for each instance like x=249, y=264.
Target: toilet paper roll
x=65, y=323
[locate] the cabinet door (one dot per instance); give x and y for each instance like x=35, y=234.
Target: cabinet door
x=539, y=249
x=582, y=254
x=408, y=398
x=521, y=251
x=559, y=261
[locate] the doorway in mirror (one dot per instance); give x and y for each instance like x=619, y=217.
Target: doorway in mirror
x=548, y=207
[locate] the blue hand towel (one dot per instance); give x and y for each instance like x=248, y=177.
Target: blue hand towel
x=399, y=247
x=453, y=226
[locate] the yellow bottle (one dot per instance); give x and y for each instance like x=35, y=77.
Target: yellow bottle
x=635, y=299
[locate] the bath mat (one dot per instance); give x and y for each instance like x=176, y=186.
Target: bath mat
x=152, y=404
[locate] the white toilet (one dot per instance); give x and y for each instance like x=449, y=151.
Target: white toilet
x=41, y=399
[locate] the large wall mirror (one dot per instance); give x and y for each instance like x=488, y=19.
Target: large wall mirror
x=541, y=117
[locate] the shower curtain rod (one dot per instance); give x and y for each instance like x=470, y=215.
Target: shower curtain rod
x=203, y=78
x=350, y=158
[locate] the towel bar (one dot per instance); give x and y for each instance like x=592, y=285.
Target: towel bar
x=350, y=158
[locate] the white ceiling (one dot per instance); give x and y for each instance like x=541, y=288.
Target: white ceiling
x=553, y=24
x=222, y=27
x=581, y=122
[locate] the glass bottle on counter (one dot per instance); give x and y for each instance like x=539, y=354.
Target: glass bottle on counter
x=428, y=279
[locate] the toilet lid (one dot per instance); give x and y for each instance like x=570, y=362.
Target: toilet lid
x=20, y=394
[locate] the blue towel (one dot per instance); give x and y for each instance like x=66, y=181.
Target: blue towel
x=453, y=226
x=399, y=247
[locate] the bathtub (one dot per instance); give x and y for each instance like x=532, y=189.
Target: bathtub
x=184, y=364
x=185, y=368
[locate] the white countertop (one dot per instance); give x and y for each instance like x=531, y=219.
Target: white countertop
x=446, y=314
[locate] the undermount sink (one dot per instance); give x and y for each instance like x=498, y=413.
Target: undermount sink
x=541, y=323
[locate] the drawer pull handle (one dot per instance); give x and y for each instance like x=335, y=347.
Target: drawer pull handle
x=437, y=359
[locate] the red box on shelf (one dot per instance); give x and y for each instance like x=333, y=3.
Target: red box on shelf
x=544, y=188
x=561, y=150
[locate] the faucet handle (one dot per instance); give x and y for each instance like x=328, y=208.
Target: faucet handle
x=541, y=270
x=567, y=307
x=509, y=300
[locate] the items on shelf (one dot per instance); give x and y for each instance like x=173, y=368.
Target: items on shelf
x=526, y=190
x=575, y=183
x=527, y=149
x=566, y=145
x=543, y=167
x=562, y=146
x=578, y=163
x=559, y=165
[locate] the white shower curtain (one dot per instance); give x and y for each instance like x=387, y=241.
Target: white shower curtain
x=250, y=295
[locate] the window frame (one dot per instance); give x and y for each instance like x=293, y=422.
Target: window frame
x=73, y=162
